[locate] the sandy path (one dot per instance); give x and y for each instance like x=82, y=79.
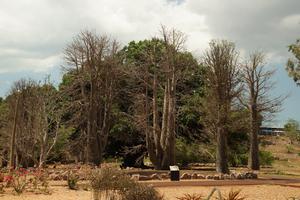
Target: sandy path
x=252, y=192
x=258, y=192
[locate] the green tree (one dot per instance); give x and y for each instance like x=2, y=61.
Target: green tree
x=293, y=64
x=159, y=65
x=292, y=129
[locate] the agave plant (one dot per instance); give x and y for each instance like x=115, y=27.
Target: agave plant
x=191, y=197
x=234, y=195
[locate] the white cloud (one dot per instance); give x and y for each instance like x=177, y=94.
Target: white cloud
x=33, y=32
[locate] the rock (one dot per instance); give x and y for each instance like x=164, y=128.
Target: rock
x=221, y=177
x=233, y=176
x=57, y=178
x=155, y=177
x=185, y=176
x=165, y=176
x=135, y=177
x=240, y=176
x=64, y=176
x=227, y=176
x=209, y=177
x=216, y=177
x=200, y=176
x=144, y=178
x=194, y=176
x=250, y=175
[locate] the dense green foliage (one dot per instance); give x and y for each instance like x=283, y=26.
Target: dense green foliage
x=54, y=124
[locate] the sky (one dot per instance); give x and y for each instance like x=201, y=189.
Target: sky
x=34, y=33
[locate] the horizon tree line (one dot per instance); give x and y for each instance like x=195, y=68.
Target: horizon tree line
x=152, y=74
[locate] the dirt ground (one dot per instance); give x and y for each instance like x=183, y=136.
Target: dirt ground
x=257, y=192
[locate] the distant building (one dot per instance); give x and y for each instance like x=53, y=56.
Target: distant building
x=271, y=131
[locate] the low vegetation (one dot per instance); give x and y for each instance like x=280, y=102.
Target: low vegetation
x=112, y=184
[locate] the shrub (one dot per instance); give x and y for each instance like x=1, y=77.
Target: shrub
x=72, y=181
x=112, y=184
x=19, y=180
x=141, y=190
x=40, y=181
x=266, y=158
x=192, y=153
x=289, y=149
x=236, y=159
x=109, y=182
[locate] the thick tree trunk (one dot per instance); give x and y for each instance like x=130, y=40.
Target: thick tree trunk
x=221, y=154
x=253, y=160
x=156, y=128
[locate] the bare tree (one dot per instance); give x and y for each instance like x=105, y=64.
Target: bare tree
x=93, y=64
x=220, y=62
x=161, y=64
x=36, y=122
x=258, y=84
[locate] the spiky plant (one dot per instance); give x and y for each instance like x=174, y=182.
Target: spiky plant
x=191, y=197
x=234, y=195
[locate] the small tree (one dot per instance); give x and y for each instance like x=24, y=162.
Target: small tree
x=292, y=129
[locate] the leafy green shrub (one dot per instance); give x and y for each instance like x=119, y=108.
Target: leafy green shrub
x=238, y=149
x=192, y=153
x=266, y=158
x=236, y=159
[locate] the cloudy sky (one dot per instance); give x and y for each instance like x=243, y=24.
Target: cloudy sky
x=33, y=33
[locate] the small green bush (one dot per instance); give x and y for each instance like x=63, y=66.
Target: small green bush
x=187, y=153
x=266, y=158
x=236, y=159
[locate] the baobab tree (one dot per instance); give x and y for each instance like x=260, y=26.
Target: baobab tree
x=92, y=66
x=158, y=65
x=222, y=87
x=257, y=99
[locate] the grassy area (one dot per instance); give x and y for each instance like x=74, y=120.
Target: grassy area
x=287, y=158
